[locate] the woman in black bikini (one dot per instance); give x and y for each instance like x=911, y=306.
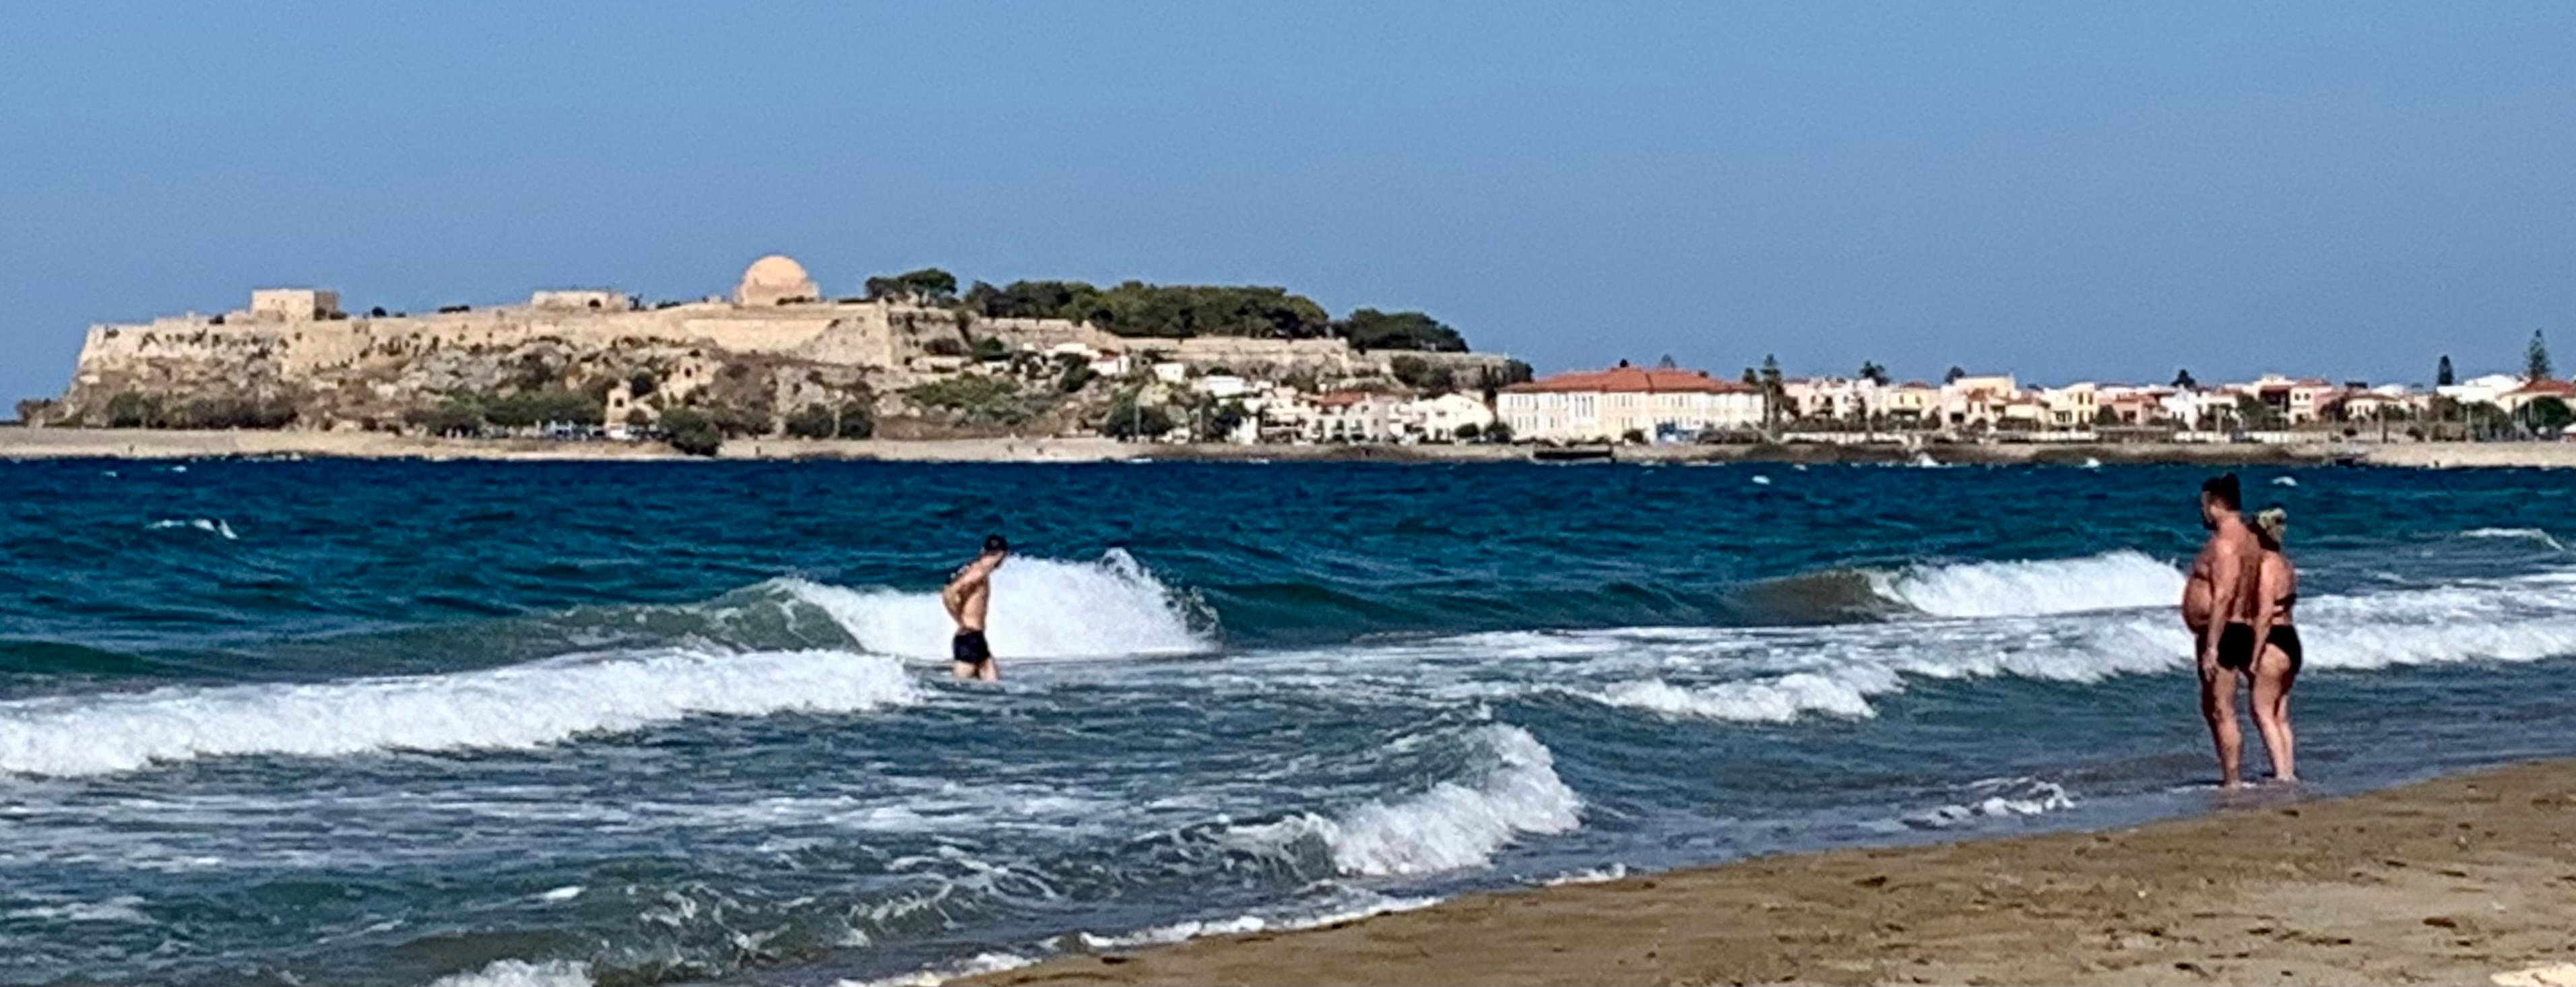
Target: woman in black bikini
x=2277, y=661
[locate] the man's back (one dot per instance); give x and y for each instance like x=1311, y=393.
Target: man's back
x=969, y=596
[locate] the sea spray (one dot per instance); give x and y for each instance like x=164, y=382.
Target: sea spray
x=1453, y=825
x=1772, y=700
x=1041, y=608
x=2110, y=581
x=521, y=973
x=512, y=707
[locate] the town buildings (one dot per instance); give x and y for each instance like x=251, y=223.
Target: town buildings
x=1627, y=402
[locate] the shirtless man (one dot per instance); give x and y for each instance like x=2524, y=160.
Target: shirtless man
x=967, y=597
x=2218, y=606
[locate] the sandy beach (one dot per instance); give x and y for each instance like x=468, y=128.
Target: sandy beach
x=2448, y=881
x=44, y=443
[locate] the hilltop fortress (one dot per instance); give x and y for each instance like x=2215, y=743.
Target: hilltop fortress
x=294, y=358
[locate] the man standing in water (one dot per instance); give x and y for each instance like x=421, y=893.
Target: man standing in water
x=2217, y=604
x=967, y=597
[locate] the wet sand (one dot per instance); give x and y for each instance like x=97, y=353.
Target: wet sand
x=2449, y=881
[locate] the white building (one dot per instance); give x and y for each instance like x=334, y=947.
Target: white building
x=1608, y=405
x=1439, y=419
x=2481, y=390
x=1352, y=416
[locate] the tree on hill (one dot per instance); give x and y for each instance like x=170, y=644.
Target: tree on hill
x=2535, y=358
x=1870, y=371
x=1666, y=363
x=929, y=286
x=2442, y=376
x=1370, y=329
x=1955, y=373
x=2184, y=380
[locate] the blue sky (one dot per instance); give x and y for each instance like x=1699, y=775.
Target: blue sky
x=2058, y=190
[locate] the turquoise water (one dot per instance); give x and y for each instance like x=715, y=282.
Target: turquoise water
x=393, y=723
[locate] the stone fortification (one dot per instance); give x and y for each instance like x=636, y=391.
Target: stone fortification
x=771, y=342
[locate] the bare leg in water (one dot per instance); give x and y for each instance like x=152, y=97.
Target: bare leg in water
x=2218, y=706
x=2273, y=676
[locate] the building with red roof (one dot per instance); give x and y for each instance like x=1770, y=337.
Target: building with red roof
x=1608, y=405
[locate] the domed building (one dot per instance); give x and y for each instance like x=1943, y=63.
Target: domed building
x=774, y=279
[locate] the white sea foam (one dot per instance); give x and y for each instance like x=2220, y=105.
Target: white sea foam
x=1596, y=875
x=1996, y=798
x=1778, y=675
x=1771, y=700
x=520, y=973
x=1454, y=825
x=119, y=910
x=2111, y=581
x=514, y=707
x=2530, y=534
x=1163, y=935
x=212, y=526
x=977, y=965
x=1042, y=608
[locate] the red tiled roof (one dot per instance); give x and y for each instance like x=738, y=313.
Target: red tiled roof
x=2547, y=386
x=1633, y=380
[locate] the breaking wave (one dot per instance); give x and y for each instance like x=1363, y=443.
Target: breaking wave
x=2111, y=581
x=1772, y=700
x=212, y=526
x=2527, y=534
x=1287, y=921
x=1996, y=798
x=520, y=973
x=514, y=707
x=1042, y=608
x=1453, y=825
x=1782, y=675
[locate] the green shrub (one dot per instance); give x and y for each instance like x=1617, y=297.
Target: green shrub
x=218, y=413
x=857, y=422
x=554, y=404
x=1126, y=420
x=1077, y=375
x=459, y=415
x=978, y=399
x=1466, y=432
x=741, y=422
x=692, y=432
x=812, y=421
x=132, y=410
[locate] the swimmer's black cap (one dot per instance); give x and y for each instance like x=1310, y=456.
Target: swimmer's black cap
x=994, y=543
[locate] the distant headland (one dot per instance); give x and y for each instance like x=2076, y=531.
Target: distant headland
x=912, y=358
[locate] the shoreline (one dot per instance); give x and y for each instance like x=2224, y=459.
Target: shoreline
x=67, y=443
x=2453, y=880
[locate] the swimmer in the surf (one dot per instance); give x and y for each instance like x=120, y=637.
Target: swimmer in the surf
x=2218, y=606
x=2276, y=667
x=967, y=597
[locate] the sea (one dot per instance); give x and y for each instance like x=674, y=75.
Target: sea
x=562, y=724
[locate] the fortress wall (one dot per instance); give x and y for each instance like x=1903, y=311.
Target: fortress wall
x=1245, y=355
x=1043, y=334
